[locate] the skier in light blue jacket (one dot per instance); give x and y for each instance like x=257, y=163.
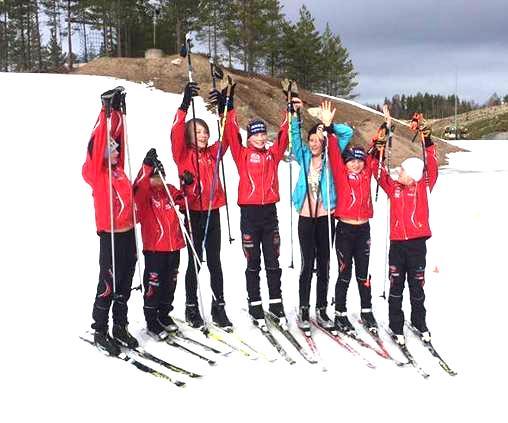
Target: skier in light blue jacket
x=314, y=199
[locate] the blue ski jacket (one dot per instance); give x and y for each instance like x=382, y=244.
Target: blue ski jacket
x=303, y=156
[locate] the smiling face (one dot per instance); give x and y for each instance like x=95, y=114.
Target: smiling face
x=258, y=140
x=202, y=136
x=355, y=165
x=316, y=144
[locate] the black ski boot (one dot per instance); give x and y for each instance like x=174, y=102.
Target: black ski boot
x=220, y=317
x=123, y=337
x=423, y=331
x=303, y=319
x=168, y=323
x=368, y=320
x=192, y=316
x=156, y=330
x=104, y=342
x=323, y=320
x=257, y=313
x=277, y=310
x=342, y=323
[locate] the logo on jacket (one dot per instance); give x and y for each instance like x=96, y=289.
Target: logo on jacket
x=156, y=203
x=255, y=158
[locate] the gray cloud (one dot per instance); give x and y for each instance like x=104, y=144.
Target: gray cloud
x=399, y=46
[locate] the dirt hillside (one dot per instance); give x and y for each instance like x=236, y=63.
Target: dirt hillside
x=257, y=96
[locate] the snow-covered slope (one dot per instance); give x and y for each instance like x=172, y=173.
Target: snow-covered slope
x=50, y=269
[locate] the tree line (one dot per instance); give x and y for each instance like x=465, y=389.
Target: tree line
x=433, y=106
x=253, y=35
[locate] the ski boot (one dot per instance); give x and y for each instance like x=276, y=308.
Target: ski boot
x=168, y=324
x=123, y=337
x=192, y=316
x=423, y=331
x=368, y=320
x=256, y=313
x=156, y=330
x=104, y=342
x=323, y=320
x=342, y=323
x=220, y=318
x=399, y=339
x=277, y=310
x=303, y=320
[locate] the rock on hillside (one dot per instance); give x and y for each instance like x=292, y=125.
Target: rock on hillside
x=255, y=96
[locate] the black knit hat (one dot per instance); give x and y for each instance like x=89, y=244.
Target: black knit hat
x=255, y=126
x=353, y=153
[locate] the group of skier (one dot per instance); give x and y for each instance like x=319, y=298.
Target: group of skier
x=332, y=197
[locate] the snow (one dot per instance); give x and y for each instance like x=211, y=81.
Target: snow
x=50, y=256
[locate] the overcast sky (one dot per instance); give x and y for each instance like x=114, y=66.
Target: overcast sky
x=404, y=46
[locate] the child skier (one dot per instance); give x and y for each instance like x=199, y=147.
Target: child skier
x=409, y=230
x=104, y=167
x=194, y=156
x=314, y=199
x=162, y=242
x=258, y=192
x=352, y=173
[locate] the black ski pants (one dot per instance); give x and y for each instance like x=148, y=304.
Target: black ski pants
x=314, y=247
x=159, y=280
x=212, y=247
x=260, y=229
x=114, y=292
x=352, y=244
x=407, y=260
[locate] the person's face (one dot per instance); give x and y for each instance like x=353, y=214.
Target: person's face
x=404, y=178
x=315, y=144
x=258, y=140
x=202, y=136
x=355, y=165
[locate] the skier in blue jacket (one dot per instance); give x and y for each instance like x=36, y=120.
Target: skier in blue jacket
x=314, y=199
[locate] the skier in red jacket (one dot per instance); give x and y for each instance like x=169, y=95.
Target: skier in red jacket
x=409, y=230
x=102, y=149
x=352, y=172
x=205, y=191
x=258, y=192
x=162, y=242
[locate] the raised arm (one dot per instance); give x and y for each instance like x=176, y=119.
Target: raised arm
x=344, y=133
x=232, y=135
x=280, y=143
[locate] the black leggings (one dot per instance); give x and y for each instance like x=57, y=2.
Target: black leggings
x=352, y=243
x=260, y=228
x=159, y=280
x=119, y=292
x=212, y=247
x=407, y=260
x=314, y=247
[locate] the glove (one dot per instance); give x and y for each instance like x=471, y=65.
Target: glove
x=425, y=129
x=187, y=178
x=217, y=100
x=191, y=90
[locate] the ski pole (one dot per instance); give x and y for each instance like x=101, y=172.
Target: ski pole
x=330, y=242
x=106, y=99
x=123, y=106
x=292, y=265
x=218, y=159
x=214, y=72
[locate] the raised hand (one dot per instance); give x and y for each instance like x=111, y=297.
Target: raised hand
x=327, y=113
x=388, y=117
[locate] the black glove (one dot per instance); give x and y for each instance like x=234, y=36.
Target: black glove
x=187, y=178
x=191, y=90
x=151, y=157
x=217, y=99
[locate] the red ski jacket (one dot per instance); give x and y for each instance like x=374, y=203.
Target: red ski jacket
x=409, y=208
x=184, y=156
x=160, y=229
x=353, y=189
x=95, y=172
x=259, y=181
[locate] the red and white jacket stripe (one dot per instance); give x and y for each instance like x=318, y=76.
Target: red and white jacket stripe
x=184, y=156
x=96, y=173
x=409, y=207
x=259, y=181
x=353, y=189
x=160, y=229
